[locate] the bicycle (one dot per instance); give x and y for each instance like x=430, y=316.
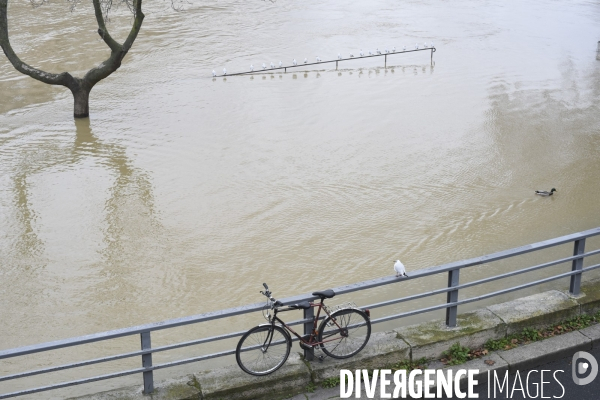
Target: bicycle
x=265, y=348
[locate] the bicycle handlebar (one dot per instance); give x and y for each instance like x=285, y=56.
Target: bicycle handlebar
x=267, y=294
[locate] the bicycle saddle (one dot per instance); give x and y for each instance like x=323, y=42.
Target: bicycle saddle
x=300, y=306
x=325, y=294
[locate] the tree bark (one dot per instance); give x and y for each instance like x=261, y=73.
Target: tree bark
x=80, y=87
x=81, y=99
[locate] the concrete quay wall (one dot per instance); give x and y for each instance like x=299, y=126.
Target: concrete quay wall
x=424, y=340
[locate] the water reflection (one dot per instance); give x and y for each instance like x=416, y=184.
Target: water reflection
x=27, y=245
x=339, y=72
x=331, y=177
x=129, y=218
x=127, y=222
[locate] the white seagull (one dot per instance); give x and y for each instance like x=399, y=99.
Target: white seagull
x=318, y=59
x=224, y=71
x=305, y=60
x=386, y=51
x=280, y=64
x=264, y=66
x=272, y=65
x=295, y=62
x=431, y=44
x=370, y=53
x=214, y=73
x=351, y=55
x=377, y=50
x=416, y=46
x=339, y=56
x=394, y=49
x=404, y=48
x=251, y=67
x=425, y=45
x=361, y=53
x=399, y=268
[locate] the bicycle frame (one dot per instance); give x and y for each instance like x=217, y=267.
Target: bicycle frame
x=312, y=337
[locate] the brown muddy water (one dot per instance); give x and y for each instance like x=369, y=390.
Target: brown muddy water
x=183, y=193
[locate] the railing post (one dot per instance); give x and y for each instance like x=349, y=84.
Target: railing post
x=309, y=313
x=452, y=297
x=577, y=265
x=147, y=362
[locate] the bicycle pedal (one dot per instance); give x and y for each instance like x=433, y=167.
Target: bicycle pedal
x=321, y=358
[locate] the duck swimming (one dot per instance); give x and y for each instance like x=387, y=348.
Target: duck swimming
x=545, y=192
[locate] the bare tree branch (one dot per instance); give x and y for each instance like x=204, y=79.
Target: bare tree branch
x=64, y=79
x=80, y=87
x=102, y=31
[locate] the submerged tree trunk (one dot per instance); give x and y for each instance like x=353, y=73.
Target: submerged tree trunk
x=80, y=87
x=81, y=99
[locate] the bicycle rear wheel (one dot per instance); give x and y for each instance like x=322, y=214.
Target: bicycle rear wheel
x=263, y=349
x=345, y=333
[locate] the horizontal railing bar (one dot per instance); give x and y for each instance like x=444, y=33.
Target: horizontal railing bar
x=123, y=373
x=230, y=352
x=118, y=374
x=191, y=360
x=119, y=356
x=258, y=306
x=72, y=383
x=134, y=330
x=132, y=354
x=482, y=297
x=266, y=70
x=130, y=331
x=526, y=285
x=481, y=281
x=199, y=358
x=468, y=263
x=344, y=289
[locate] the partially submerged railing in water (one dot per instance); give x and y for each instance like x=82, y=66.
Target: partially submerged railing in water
x=451, y=306
x=336, y=61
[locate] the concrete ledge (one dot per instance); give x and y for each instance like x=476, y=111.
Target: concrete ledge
x=536, y=311
x=233, y=383
x=590, y=301
x=431, y=339
x=427, y=340
x=382, y=350
x=593, y=333
x=175, y=389
x=544, y=351
x=498, y=364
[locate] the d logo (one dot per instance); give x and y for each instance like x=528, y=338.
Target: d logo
x=584, y=367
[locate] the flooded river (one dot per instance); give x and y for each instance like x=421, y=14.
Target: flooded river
x=183, y=193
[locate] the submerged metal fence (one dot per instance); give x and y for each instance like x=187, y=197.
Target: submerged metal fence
x=451, y=306
x=340, y=59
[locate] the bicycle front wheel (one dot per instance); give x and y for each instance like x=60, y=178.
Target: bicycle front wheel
x=263, y=349
x=344, y=333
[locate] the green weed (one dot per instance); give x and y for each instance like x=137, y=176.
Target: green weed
x=330, y=382
x=457, y=354
x=409, y=366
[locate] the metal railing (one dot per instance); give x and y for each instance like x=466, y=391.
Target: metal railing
x=451, y=306
x=336, y=61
